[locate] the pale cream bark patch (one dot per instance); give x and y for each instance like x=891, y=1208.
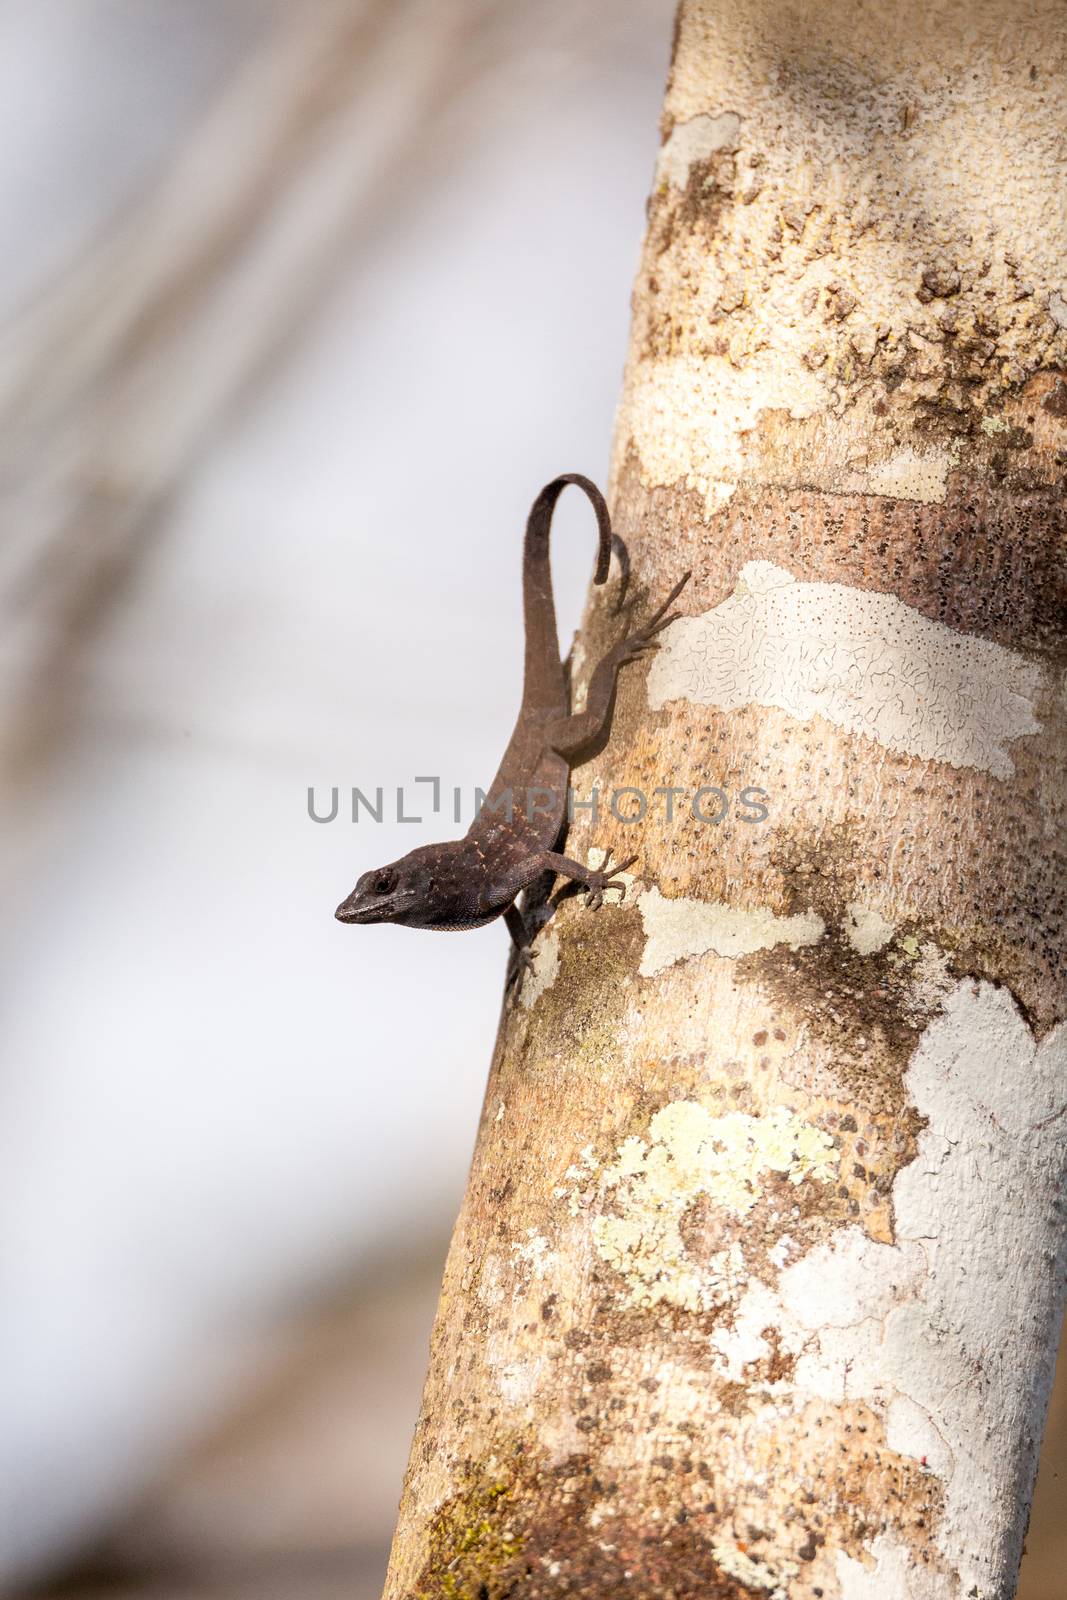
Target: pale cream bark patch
x=867, y=930
x=920, y=475
x=696, y=140
x=863, y=660
x=688, y=419
x=931, y=979
x=683, y=927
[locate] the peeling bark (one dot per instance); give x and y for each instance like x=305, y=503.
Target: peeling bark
x=757, y=1279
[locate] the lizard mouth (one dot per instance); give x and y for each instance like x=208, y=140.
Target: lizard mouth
x=355, y=910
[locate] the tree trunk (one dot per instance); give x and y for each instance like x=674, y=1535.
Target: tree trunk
x=756, y=1283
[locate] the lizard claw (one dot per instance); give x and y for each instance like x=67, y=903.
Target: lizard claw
x=602, y=879
x=523, y=963
x=645, y=640
x=634, y=648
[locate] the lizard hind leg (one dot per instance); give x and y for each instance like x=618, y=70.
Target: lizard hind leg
x=573, y=735
x=644, y=639
x=521, y=938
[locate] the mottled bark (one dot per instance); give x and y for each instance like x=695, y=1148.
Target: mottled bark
x=755, y=1287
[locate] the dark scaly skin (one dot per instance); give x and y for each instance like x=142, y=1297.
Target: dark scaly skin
x=468, y=882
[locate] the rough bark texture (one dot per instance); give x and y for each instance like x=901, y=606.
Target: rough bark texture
x=755, y=1287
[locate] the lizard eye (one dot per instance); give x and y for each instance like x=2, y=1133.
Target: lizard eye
x=385, y=882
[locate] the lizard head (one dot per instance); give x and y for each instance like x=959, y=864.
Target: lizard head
x=419, y=890
x=387, y=894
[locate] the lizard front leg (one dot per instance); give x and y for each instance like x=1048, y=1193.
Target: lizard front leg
x=570, y=735
x=594, y=880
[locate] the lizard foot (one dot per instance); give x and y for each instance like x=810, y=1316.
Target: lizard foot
x=602, y=879
x=523, y=963
x=645, y=640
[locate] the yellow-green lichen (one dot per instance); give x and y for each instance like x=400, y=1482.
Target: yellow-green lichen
x=470, y=1538
x=691, y=1155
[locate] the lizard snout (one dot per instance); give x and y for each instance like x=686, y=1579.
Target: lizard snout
x=355, y=909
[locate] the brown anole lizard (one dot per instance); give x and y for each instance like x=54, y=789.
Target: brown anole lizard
x=465, y=883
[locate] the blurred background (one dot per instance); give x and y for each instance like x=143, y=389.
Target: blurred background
x=299, y=306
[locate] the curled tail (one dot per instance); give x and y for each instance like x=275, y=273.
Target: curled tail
x=544, y=682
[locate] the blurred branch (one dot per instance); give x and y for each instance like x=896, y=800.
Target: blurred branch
x=119, y=377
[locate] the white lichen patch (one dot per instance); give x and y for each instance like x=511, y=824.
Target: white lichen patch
x=982, y=1200
x=892, y=1574
x=864, y=661
x=519, y=1381
x=689, y=1155
x=545, y=968
x=934, y=1330
x=696, y=140
x=848, y=1280
x=679, y=928
x=534, y=1252
x=778, y=1254
x=867, y=930
x=743, y=1342
x=579, y=661
x=911, y=1431
x=490, y=1283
